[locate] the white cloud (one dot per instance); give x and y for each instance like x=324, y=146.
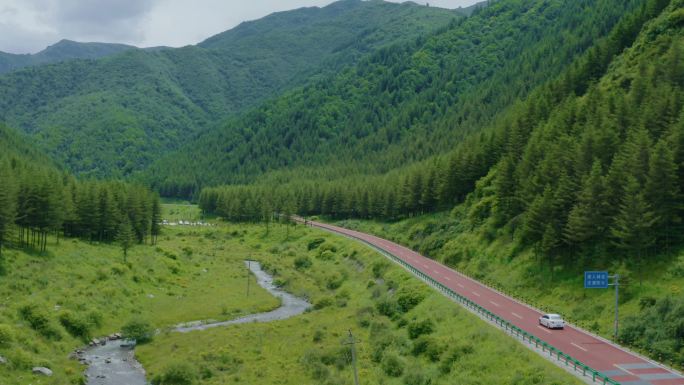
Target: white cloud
x=31, y=25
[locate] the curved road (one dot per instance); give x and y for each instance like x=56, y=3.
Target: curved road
x=614, y=362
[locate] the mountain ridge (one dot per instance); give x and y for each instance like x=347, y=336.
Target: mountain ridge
x=147, y=102
x=60, y=51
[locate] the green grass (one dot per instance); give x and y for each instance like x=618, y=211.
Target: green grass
x=197, y=273
x=308, y=349
x=174, y=212
x=190, y=275
x=522, y=275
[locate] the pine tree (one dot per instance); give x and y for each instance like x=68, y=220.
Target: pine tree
x=7, y=203
x=537, y=217
x=109, y=213
x=632, y=229
x=156, y=219
x=587, y=219
x=661, y=190
x=428, y=199
x=125, y=236
x=506, y=188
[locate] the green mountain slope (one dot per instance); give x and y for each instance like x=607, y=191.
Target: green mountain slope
x=114, y=115
x=14, y=145
x=59, y=52
x=403, y=104
x=586, y=174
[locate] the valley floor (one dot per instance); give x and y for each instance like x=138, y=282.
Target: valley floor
x=407, y=333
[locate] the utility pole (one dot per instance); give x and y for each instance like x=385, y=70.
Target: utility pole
x=249, y=265
x=353, y=342
x=616, y=283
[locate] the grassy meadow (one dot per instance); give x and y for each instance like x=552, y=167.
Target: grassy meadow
x=408, y=334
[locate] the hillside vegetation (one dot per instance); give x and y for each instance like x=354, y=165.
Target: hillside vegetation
x=586, y=173
x=405, y=103
x=112, y=116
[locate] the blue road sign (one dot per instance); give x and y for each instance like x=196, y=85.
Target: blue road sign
x=595, y=279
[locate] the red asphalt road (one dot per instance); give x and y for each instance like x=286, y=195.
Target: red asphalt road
x=618, y=364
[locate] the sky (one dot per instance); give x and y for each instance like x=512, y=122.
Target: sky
x=28, y=26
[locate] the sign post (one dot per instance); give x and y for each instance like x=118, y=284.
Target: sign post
x=599, y=280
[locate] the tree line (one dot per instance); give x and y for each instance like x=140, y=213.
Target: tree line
x=36, y=201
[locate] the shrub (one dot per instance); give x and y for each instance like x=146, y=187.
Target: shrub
x=417, y=329
x=312, y=362
x=20, y=359
x=315, y=243
x=138, y=330
x=387, y=307
x=119, y=269
x=392, y=365
x=421, y=345
x=646, y=302
x=318, y=336
x=333, y=282
x=379, y=268
x=328, y=247
x=39, y=320
x=94, y=318
x=76, y=326
x=323, y=303
x=327, y=255
x=434, y=351
x=454, y=354
x=6, y=336
x=407, y=300
x=302, y=263
x=416, y=377
x=177, y=374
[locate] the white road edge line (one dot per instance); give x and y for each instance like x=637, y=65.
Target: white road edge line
x=579, y=347
x=517, y=315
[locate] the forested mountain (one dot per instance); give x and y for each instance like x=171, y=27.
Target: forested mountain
x=58, y=52
x=404, y=103
x=111, y=116
x=590, y=166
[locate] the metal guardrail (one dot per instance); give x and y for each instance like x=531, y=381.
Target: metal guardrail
x=554, y=352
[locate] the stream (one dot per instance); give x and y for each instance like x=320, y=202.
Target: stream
x=114, y=364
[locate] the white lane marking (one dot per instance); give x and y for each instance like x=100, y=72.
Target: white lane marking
x=578, y=347
x=461, y=286
x=621, y=368
x=447, y=278
x=495, y=304
x=476, y=293
x=544, y=329
x=517, y=315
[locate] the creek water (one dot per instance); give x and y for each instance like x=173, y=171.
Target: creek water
x=114, y=364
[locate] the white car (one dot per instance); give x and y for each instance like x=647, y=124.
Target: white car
x=552, y=321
